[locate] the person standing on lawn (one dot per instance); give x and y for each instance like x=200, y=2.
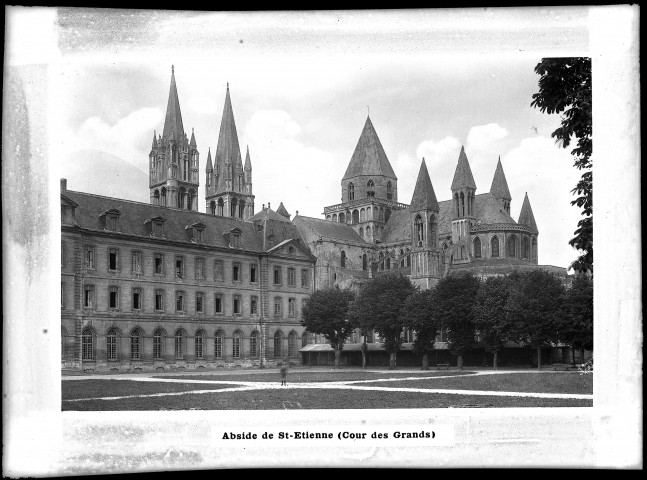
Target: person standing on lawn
x=284, y=374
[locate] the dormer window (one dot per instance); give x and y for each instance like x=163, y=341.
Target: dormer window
x=197, y=232
x=111, y=219
x=234, y=237
x=155, y=226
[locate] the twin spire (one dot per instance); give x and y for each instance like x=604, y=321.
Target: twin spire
x=424, y=197
x=173, y=127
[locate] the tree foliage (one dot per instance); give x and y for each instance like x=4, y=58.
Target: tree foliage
x=490, y=315
x=325, y=313
x=577, y=324
x=565, y=88
x=378, y=307
x=419, y=315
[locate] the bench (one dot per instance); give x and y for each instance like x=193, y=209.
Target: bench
x=442, y=365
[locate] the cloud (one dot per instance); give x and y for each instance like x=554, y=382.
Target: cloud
x=485, y=137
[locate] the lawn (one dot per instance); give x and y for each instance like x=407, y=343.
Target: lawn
x=118, y=388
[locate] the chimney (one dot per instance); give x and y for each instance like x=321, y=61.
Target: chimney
x=63, y=184
x=268, y=205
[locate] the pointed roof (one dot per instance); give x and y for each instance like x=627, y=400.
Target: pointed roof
x=248, y=161
x=424, y=197
x=228, y=148
x=154, y=140
x=369, y=157
x=282, y=211
x=192, y=142
x=463, y=176
x=209, y=164
x=526, y=216
x=173, y=128
x=499, y=186
x=268, y=214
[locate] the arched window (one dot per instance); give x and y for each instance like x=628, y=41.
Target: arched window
x=221, y=207
x=477, y=247
x=189, y=200
x=362, y=215
x=241, y=209
x=292, y=344
x=420, y=230
x=278, y=341
x=462, y=209
x=389, y=191
x=342, y=218
x=163, y=199
x=401, y=258
x=364, y=262
x=458, y=207
x=381, y=261
x=185, y=170
x=111, y=344
x=334, y=217
x=180, y=198
x=368, y=232
x=218, y=341
x=387, y=215
x=355, y=216
x=351, y=191
x=212, y=207
x=232, y=210
x=87, y=344
x=136, y=345
x=253, y=344
x=494, y=246
x=179, y=344
x=361, y=232
x=525, y=249
x=236, y=344
x=370, y=189
x=156, y=197
x=158, y=344
x=408, y=259
x=199, y=345
x=343, y=259
x=512, y=246
x=433, y=232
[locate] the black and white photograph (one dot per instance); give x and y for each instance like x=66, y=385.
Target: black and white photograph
x=367, y=231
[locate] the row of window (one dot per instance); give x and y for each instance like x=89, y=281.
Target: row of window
x=179, y=267
x=511, y=244
x=370, y=190
x=88, y=344
x=114, y=301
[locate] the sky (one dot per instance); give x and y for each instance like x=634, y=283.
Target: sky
x=302, y=85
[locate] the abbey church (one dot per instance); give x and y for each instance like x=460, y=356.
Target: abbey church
x=162, y=286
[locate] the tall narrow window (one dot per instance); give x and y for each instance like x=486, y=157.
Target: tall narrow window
x=62, y=295
x=158, y=344
x=389, y=191
x=236, y=345
x=135, y=345
x=343, y=259
x=494, y=247
x=111, y=344
x=88, y=256
x=292, y=281
x=364, y=262
x=305, y=276
x=351, y=191
x=253, y=344
x=253, y=306
x=88, y=296
x=477, y=247
x=199, y=343
x=292, y=344
x=218, y=272
x=237, y=302
x=137, y=262
x=278, y=340
x=235, y=272
x=252, y=273
x=137, y=298
x=512, y=246
x=420, y=230
x=159, y=264
x=63, y=259
x=159, y=300
x=113, y=298
x=179, y=301
x=199, y=302
x=292, y=307
x=179, y=267
x=370, y=189
x=277, y=306
x=87, y=344
x=113, y=260
x=199, y=268
x=277, y=275
x=179, y=345
x=218, y=344
x=433, y=232
x=219, y=308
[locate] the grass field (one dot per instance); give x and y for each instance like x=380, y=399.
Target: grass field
x=312, y=389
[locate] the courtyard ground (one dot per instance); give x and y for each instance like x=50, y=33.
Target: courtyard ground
x=326, y=388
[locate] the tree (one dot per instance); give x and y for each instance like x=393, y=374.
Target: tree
x=535, y=306
x=577, y=323
x=325, y=313
x=565, y=88
x=418, y=314
x=378, y=308
x=490, y=316
x=453, y=304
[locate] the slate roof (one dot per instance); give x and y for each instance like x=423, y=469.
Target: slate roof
x=463, y=175
x=526, y=216
x=282, y=211
x=314, y=227
x=369, y=157
x=228, y=148
x=398, y=228
x=424, y=197
x=173, y=127
x=134, y=215
x=268, y=214
x=487, y=210
x=499, y=186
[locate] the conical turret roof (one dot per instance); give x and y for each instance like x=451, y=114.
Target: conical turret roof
x=228, y=149
x=154, y=140
x=526, y=216
x=192, y=142
x=499, y=186
x=173, y=128
x=424, y=197
x=209, y=164
x=248, y=161
x=282, y=211
x=463, y=177
x=369, y=157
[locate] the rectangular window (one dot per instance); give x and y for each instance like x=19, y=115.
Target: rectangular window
x=62, y=295
x=253, y=306
x=113, y=298
x=135, y=346
x=219, y=307
x=199, y=342
x=292, y=307
x=111, y=346
x=218, y=271
x=179, y=267
x=113, y=260
x=277, y=306
x=235, y=272
x=88, y=296
x=291, y=277
x=157, y=346
x=88, y=257
x=159, y=263
x=277, y=275
x=199, y=268
x=158, y=229
x=253, y=346
x=199, y=302
x=236, y=346
x=159, y=300
x=218, y=346
x=137, y=262
x=197, y=235
x=63, y=254
x=179, y=301
x=137, y=298
x=236, y=304
x=111, y=222
x=252, y=273
x=305, y=278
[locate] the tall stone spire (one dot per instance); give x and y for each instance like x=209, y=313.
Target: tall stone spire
x=192, y=142
x=209, y=163
x=369, y=157
x=463, y=177
x=173, y=128
x=499, y=188
x=424, y=197
x=526, y=216
x=228, y=156
x=248, y=161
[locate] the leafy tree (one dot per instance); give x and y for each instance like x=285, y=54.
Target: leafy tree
x=490, y=316
x=535, y=305
x=565, y=88
x=577, y=324
x=378, y=307
x=454, y=298
x=418, y=314
x=325, y=313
